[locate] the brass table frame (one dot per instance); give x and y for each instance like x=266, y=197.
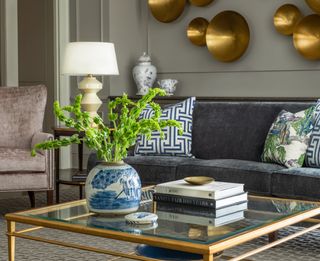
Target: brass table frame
x=206, y=250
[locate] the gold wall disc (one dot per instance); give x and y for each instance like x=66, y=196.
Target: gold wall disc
x=306, y=37
x=286, y=18
x=196, y=31
x=228, y=36
x=166, y=11
x=314, y=5
x=200, y=2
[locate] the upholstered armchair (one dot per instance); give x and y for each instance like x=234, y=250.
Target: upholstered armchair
x=21, y=119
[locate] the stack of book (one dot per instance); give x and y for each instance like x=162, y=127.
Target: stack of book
x=215, y=203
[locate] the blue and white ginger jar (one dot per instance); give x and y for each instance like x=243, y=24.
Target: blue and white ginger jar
x=113, y=188
x=144, y=74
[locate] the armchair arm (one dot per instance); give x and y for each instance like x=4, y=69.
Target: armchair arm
x=40, y=137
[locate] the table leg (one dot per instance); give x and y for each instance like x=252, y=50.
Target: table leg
x=11, y=240
x=207, y=257
x=80, y=192
x=57, y=166
x=80, y=156
x=273, y=236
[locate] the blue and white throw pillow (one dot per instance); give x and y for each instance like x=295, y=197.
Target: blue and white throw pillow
x=173, y=144
x=313, y=151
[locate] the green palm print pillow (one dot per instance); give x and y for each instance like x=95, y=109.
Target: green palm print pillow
x=288, y=138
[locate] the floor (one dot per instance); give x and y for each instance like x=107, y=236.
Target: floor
x=305, y=248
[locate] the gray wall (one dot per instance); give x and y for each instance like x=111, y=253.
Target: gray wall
x=9, y=42
x=89, y=21
x=1, y=56
x=35, y=38
x=270, y=67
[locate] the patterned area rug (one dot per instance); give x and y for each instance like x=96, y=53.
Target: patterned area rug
x=305, y=248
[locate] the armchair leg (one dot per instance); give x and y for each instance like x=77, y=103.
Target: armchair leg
x=32, y=199
x=49, y=197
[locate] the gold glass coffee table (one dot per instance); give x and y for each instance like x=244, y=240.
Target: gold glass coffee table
x=264, y=216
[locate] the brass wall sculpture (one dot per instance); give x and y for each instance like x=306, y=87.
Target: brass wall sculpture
x=314, y=5
x=228, y=36
x=306, y=31
x=166, y=10
x=306, y=37
x=196, y=31
x=286, y=18
x=200, y=2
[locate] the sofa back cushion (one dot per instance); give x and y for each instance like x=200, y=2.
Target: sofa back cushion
x=235, y=130
x=21, y=114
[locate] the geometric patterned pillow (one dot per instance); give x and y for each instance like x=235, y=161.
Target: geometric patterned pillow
x=173, y=144
x=313, y=150
x=288, y=138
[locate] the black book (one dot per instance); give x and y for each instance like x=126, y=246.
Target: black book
x=79, y=177
x=202, y=202
x=201, y=211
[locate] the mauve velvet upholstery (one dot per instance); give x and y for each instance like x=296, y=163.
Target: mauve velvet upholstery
x=227, y=142
x=21, y=115
x=19, y=160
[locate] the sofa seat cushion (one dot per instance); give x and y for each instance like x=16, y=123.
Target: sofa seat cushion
x=24, y=181
x=20, y=161
x=302, y=183
x=155, y=169
x=255, y=175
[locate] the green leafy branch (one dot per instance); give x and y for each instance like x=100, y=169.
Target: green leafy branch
x=111, y=142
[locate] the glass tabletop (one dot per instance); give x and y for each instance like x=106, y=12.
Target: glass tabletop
x=173, y=223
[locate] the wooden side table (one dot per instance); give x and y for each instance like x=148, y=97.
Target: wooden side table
x=67, y=132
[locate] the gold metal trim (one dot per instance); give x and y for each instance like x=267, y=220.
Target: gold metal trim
x=81, y=247
x=263, y=230
x=206, y=250
x=122, y=236
x=275, y=243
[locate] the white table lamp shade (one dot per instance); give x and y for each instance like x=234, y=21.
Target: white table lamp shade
x=84, y=58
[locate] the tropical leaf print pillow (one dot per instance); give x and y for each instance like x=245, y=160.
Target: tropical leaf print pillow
x=288, y=138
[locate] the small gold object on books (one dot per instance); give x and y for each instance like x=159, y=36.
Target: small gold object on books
x=198, y=180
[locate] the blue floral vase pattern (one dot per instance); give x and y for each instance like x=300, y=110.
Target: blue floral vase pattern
x=113, y=188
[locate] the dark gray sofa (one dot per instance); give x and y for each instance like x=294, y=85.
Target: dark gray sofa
x=227, y=142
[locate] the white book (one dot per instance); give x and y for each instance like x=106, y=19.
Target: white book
x=213, y=190
x=198, y=220
x=203, y=202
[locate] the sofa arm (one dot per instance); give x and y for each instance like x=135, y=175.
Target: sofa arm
x=40, y=137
